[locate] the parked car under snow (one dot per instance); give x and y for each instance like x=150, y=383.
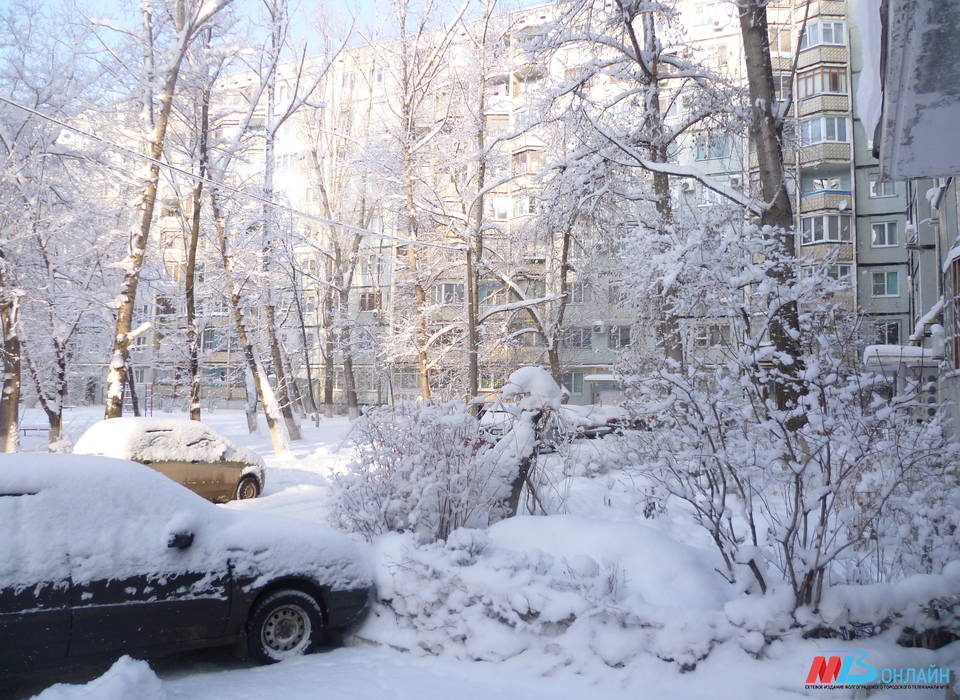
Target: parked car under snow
x=102, y=557
x=187, y=451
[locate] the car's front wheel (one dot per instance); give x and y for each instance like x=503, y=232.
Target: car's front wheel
x=248, y=487
x=283, y=625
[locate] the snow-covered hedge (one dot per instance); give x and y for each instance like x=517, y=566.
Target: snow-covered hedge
x=418, y=468
x=474, y=598
x=523, y=589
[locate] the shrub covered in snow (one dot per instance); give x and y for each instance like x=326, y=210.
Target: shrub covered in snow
x=419, y=468
x=478, y=598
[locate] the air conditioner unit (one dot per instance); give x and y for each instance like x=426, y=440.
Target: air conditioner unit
x=736, y=182
x=598, y=327
x=687, y=186
x=717, y=25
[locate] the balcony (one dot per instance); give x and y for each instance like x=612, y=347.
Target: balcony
x=827, y=8
x=824, y=103
x=825, y=153
x=825, y=53
x=835, y=200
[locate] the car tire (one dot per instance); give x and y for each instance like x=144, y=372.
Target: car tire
x=247, y=487
x=284, y=625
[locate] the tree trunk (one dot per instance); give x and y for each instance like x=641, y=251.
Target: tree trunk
x=132, y=385
x=766, y=132
x=138, y=243
x=193, y=336
x=286, y=409
x=10, y=397
x=269, y=408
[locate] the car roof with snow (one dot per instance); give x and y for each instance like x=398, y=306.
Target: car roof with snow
x=90, y=518
x=161, y=439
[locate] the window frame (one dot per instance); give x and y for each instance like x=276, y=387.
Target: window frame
x=810, y=239
x=823, y=126
x=886, y=325
x=886, y=227
x=812, y=83
x=448, y=293
x=886, y=284
x=876, y=183
x=815, y=29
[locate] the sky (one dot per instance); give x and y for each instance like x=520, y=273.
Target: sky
x=312, y=17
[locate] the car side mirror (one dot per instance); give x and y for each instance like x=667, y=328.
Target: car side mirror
x=180, y=540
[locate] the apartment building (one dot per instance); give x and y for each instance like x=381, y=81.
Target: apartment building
x=847, y=217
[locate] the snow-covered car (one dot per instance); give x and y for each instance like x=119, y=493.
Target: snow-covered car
x=100, y=557
x=187, y=451
x=567, y=421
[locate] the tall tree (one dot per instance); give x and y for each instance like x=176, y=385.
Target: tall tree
x=161, y=67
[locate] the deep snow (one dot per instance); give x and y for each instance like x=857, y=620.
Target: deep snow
x=665, y=563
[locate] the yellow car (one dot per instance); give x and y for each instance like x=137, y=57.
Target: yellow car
x=186, y=451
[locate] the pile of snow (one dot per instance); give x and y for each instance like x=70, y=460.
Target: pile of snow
x=920, y=602
x=95, y=518
x=564, y=591
x=127, y=678
x=535, y=388
x=161, y=440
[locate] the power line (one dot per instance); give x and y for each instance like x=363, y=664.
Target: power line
x=224, y=186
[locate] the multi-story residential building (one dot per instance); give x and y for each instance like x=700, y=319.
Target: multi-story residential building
x=846, y=216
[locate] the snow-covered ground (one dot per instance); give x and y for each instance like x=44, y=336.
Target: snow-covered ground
x=663, y=569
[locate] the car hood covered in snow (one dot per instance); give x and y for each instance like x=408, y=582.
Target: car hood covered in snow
x=161, y=439
x=95, y=518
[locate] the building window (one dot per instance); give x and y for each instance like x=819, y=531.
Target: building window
x=822, y=81
x=211, y=340
x=406, y=378
x=534, y=288
x=170, y=207
x=823, y=130
x=573, y=381
x=578, y=338
x=448, y=293
x=711, y=146
x=886, y=284
x=492, y=379
x=782, y=85
x=500, y=86
x=780, y=38
x=839, y=272
x=528, y=162
x=825, y=228
x=578, y=292
x=498, y=208
x=619, y=337
x=822, y=33
x=711, y=336
x=883, y=234
x=370, y=301
x=524, y=205
x=880, y=188
x=498, y=124
x=887, y=332
x=491, y=293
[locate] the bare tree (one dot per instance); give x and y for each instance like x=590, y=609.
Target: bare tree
x=189, y=18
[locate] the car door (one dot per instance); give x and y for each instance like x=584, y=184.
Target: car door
x=152, y=590
x=34, y=583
